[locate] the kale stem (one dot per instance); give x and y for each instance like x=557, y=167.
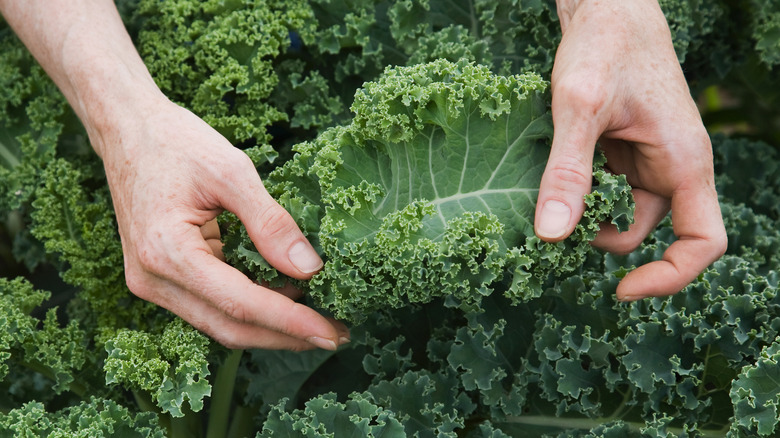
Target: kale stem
x=189, y=425
x=8, y=156
x=243, y=422
x=180, y=427
x=223, y=395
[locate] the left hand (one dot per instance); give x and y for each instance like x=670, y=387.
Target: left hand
x=170, y=175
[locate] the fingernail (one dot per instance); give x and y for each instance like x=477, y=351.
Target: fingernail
x=303, y=257
x=325, y=344
x=344, y=340
x=554, y=220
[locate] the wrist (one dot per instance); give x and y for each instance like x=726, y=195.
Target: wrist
x=110, y=97
x=85, y=49
x=108, y=89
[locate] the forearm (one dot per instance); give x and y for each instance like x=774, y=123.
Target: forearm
x=85, y=49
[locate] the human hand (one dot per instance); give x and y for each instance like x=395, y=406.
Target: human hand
x=170, y=175
x=617, y=80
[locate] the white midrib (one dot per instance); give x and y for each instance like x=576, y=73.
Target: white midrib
x=480, y=193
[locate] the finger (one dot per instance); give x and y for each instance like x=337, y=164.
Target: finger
x=294, y=293
x=230, y=332
x=227, y=331
x=567, y=176
x=271, y=228
x=237, y=298
x=210, y=230
x=697, y=222
x=207, y=317
x=650, y=210
x=223, y=303
x=211, y=234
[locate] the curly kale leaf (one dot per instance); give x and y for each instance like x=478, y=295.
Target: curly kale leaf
x=748, y=172
x=324, y=416
x=172, y=366
x=430, y=192
x=275, y=375
x=511, y=36
x=361, y=37
x=766, y=30
x=32, y=345
x=93, y=418
x=755, y=394
x=217, y=58
x=31, y=122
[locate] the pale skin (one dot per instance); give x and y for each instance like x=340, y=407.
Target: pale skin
x=617, y=81
x=170, y=174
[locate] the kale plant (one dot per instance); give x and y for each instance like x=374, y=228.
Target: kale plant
x=408, y=139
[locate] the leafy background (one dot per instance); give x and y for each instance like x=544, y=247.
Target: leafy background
x=80, y=356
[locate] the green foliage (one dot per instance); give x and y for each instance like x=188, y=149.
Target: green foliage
x=78, y=227
x=754, y=393
x=430, y=192
x=92, y=418
x=30, y=113
x=171, y=366
x=216, y=58
x=53, y=351
x=766, y=30
x=368, y=120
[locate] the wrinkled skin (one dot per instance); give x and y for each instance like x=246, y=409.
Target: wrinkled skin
x=170, y=179
x=617, y=81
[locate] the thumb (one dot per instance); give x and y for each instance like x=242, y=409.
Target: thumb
x=565, y=182
x=273, y=231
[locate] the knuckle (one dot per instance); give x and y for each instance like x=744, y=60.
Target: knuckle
x=232, y=309
x=720, y=243
x=587, y=97
x=150, y=253
x=274, y=222
x=141, y=269
x=147, y=260
x=571, y=171
x=236, y=166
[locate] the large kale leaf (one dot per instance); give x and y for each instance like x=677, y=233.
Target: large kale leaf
x=430, y=192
